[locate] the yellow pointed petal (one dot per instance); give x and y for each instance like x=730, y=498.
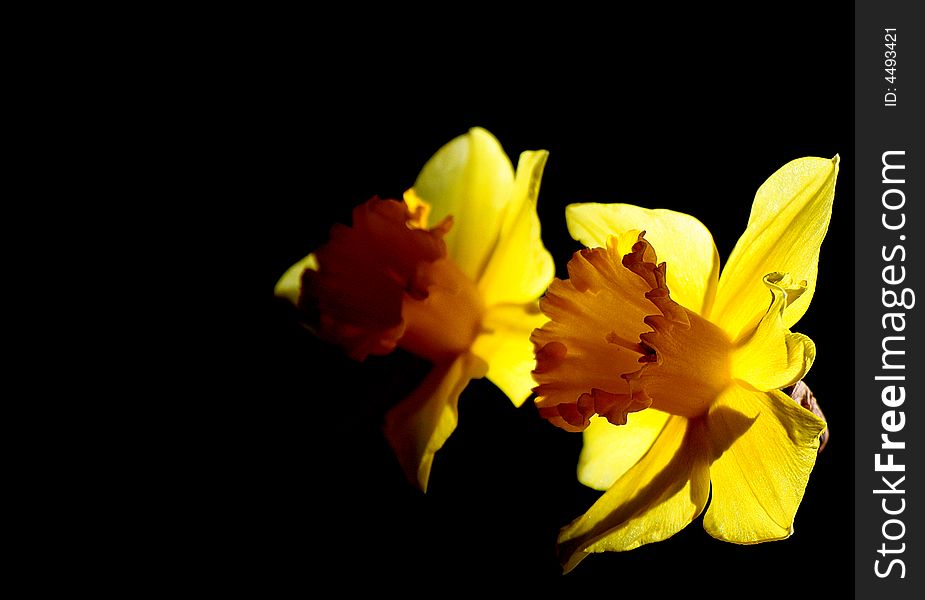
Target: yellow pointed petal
x=682, y=241
x=419, y=425
x=520, y=268
x=759, y=480
x=656, y=498
x=289, y=285
x=789, y=219
x=507, y=349
x=773, y=358
x=470, y=178
x=610, y=450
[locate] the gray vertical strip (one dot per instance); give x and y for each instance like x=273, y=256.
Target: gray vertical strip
x=889, y=373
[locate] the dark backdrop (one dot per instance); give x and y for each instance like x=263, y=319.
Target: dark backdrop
x=691, y=116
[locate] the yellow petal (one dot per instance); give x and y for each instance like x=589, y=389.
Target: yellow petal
x=789, y=219
x=610, y=450
x=419, y=425
x=773, y=358
x=289, y=285
x=682, y=241
x=759, y=480
x=653, y=500
x=520, y=268
x=507, y=349
x=470, y=179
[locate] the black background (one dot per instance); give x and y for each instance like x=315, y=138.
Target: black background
x=693, y=116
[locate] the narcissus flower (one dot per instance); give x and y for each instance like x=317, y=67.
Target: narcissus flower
x=451, y=274
x=674, y=372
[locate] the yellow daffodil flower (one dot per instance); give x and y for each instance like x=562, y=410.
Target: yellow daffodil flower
x=674, y=372
x=461, y=293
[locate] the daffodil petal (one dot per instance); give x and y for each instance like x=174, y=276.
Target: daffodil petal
x=470, y=179
x=682, y=241
x=610, y=450
x=419, y=425
x=289, y=286
x=507, y=349
x=788, y=221
x=520, y=268
x=656, y=498
x=773, y=358
x=760, y=478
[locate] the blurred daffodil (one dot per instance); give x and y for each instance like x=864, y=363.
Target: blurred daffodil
x=677, y=391
x=451, y=274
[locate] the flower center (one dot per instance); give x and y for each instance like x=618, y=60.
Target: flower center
x=386, y=281
x=613, y=314
x=447, y=319
x=687, y=363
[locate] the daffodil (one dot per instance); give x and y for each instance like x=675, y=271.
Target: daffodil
x=674, y=372
x=452, y=274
